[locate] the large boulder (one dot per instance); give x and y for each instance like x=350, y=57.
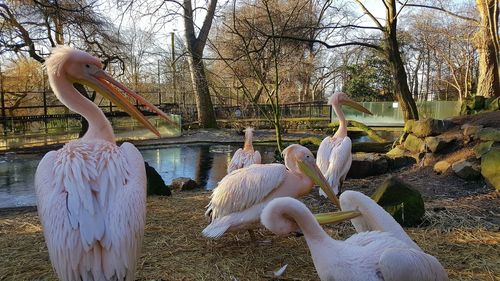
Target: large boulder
x=466, y=170
x=402, y=201
x=184, y=184
x=437, y=144
x=414, y=144
x=490, y=167
x=430, y=127
x=155, y=184
x=471, y=131
x=399, y=158
x=367, y=164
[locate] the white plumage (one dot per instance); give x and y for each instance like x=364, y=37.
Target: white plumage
x=236, y=203
x=92, y=204
x=246, y=156
x=91, y=194
x=334, y=159
x=380, y=251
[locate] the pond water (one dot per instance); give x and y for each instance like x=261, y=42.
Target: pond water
x=204, y=163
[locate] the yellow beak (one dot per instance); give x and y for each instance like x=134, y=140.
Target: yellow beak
x=336, y=217
x=106, y=86
x=310, y=168
x=356, y=106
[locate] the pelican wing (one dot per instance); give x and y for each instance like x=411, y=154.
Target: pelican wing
x=244, y=188
x=243, y=159
x=91, y=202
x=411, y=265
x=334, y=159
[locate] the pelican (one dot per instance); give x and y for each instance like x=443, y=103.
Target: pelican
x=380, y=251
x=246, y=156
x=91, y=194
x=334, y=155
x=236, y=203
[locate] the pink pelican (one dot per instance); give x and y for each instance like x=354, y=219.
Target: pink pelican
x=334, y=155
x=246, y=156
x=91, y=193
x=236, y=203
x=380, y=251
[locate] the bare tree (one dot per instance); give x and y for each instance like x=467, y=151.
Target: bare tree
x=486, y=40
x=195, y=46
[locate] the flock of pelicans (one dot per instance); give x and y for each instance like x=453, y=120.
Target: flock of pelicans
x=91, y=195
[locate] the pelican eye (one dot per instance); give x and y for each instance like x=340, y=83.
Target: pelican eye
x=87, y=65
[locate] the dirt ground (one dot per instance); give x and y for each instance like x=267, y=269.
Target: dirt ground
x=461, y=228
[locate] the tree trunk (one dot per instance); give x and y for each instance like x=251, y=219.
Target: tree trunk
x=195, y=46
x=391, y=51
x=206, y=114
x=486, y=40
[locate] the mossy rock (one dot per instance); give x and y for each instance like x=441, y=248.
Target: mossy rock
x=403, y=202
x=490, y=167
x=398, y=157
x=430, y=127
x=310, y=141
x=155, y=184
x=409, y=126
x=414, y=144
x=492, y=104
x=482, y=148
x=489, y=134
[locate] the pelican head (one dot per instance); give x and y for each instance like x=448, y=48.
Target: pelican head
x=340, y=98
x=79, y=67
x=300, y=159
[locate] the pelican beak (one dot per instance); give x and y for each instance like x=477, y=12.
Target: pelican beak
x=356, y=106
x=107, y=86
x=336, y=217
x=309, y=167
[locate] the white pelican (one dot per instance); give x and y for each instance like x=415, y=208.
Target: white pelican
x=334, y=155
x=246, y=156
x=380, y=251
x=236, y=203
x=91, y=194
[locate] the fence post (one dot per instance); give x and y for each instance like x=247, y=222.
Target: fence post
x=2, y=98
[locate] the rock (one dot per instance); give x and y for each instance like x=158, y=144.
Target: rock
x=430, y=127
x=375, y=147
x=471, y=131
x=436, y=144
x=310, y=142
x=367, y=164
x=428, y=159
x=441, y=167
x=492, y=103
x=184, y=184
x=414, y=144
x=155, y=184
x=489, y=134
x=402, y=201
x=490, y=167
x=409, y=126
x=466, y=170
x=482, y=148
x=398, y=158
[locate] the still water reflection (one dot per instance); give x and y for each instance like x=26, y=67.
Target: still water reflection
x=204, y=163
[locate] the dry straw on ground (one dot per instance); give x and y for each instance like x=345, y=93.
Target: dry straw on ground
x=457, y=231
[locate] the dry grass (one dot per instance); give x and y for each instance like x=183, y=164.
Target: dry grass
x=456, y=231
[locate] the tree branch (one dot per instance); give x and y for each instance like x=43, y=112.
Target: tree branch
x=440, y=9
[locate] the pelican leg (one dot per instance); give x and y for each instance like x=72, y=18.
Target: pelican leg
x=341, y=182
